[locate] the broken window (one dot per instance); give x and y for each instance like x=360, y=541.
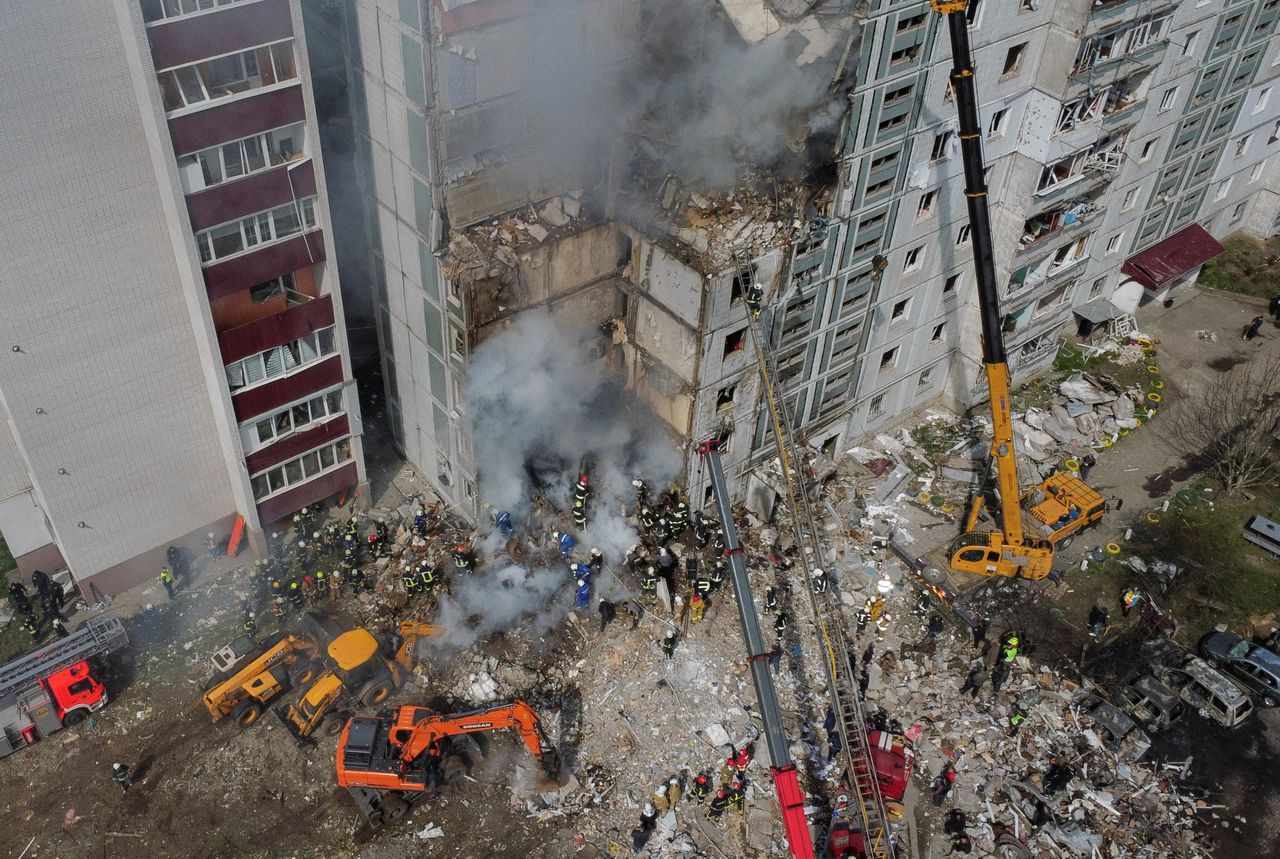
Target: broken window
x=735, y=341
x=1013, y=59
x=913, y=260
x=889, y=358
x=937, y=332
x=742, y=280
x=1084, y=109
x=724, y=397
x=925, y=207
x=941, y=145
x=1242, y=144
x=949, y=285
x=995, y=128
x=904, y=55
x=962, y=237
x=223, y=77
x=899, y=309
x=907, y=24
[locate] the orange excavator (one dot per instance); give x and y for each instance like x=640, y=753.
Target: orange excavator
x=388, y=763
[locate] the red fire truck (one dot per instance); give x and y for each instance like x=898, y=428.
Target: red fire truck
x=55, y=686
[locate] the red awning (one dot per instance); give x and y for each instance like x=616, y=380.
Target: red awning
x=1159, y=264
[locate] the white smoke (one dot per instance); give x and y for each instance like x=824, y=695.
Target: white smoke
x=499, y=596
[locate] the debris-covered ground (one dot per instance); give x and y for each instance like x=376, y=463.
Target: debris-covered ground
x=1040, y=767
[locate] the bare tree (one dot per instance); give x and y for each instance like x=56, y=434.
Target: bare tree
x=1231, y=430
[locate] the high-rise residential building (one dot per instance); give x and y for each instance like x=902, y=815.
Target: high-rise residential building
x=1122, y=139
x=172, y=320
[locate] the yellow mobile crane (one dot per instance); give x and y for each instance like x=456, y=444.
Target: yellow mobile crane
x=1062, y=505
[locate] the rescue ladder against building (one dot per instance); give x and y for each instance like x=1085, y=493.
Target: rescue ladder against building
x=786, y=781
x=869, y=815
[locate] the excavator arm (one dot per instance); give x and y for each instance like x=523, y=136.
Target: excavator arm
x=1009, y=552
x=410, y=632
x=417, y=732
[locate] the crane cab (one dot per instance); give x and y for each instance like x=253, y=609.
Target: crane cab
x=984, y=553
x=1062, y=506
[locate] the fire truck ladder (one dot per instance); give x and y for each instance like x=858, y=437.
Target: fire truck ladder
x=844, y=699
x=102, y=634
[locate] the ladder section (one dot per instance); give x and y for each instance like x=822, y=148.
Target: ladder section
x=102, y=634
x=845, y=703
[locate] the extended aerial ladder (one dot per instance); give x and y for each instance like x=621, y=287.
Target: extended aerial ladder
x=1063, y=503
x=866, y=804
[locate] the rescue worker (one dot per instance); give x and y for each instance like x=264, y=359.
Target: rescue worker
x=648, y=822
x=649, y=581
x=49, y=607
x=464, y=562
x=336, y=585
x=1129, y=599
x=41, y=582
x=669, y=643
x=581, y=492
x=579, y=570
x=583, y=596
x=936, y=625
x=771, y=599
x=701, y=788
x=565, y=541
x=701, y=530
x=1009, y=646
x=642, y=491
x=295, y=595
x=696, y=608
x=679, y=512
x=662, y=531
x=1015, y=721
x=250, y=625
x=420, y=523
x=882, y=625
x=921, y=608
x=120, y=775
x=718, y=574
x=277, y=607
x=383, y=531
x=659, y=799
x=819, y=580
x=321, y=585
x=29, y=626
x=1098, y=617
x=780, y=623
x=503, y=521
x=720, y=542
x=300, y=525
x=738, y=796
x=754, y=296
x=596, y=561
x=875, y=606
x=356, y=577
x=60, y=628
x=702, y=586
x=674, y=791
x=608, y=611
x=166, y=579
x=275, y=545
x=427, y=577
x=719, y=803
x=410, y=580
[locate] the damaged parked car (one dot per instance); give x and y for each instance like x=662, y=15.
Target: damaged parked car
x=1250, y=665
x=1152, y=704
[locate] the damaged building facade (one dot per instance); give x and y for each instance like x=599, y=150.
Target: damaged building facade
x=582, y=158
x=173, y=325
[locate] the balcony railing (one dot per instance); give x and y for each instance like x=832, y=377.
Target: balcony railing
x=1058, y=223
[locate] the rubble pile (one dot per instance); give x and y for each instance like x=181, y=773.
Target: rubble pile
x=1087, y=412
x=492, y=249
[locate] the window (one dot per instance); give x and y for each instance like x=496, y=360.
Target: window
x=898, y=94
x=904, y=55
x=888, y=358
x=279, y=360
x=922, y=382
x=735, y=341
x=226, y=240
x=899, y=310
x=1238, y=212
x=962, y=237
x=1166, y=100
x=298, y=470
x=227, y=76
x=160, y=10
x=995, y=128
x=227, y=161
x=885, y=160
x=938, y=332
x=949, y=285
x=1275, y=133
x=1147, y=149
x=1130, y=198
x=925, y=207
x=879, y=188
x=974, y=12
x=1052, y=300
x=1122, y=41
x=876, y=407
x=891, y=123
x=907, y=24
x=459, y=342
x=1190, y=44
x=1098, y=285
x=1013, y=59
x=1068, y=255
x=1113, y=243
x=941, y=143
x=1256, y=173
x=1029, y=5
x=724, y=398
x=1242, y=144
x=267, y=429
x=913, y=260
x=1224, y=188
x=1260, y=103
x=277, y=287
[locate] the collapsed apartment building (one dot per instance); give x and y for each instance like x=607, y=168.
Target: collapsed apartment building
x=632, y=168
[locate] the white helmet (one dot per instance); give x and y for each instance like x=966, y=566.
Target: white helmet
x=648, y=806
x=596, y=553
x=581, y=582
x=818, y=572
x=315, y=536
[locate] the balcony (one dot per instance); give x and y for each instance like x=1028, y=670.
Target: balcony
x=263, y=263
x=1068, y=219
x=328, y=483
x=183, y=40
x=236, y=120
x=254, y=193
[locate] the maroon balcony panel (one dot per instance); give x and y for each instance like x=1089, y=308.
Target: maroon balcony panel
x=278, y=328
x=296, y=445
x=231, y=29
x=256, y=193
x=220, y=123
x=275, y=509
x=290, y=389
x=224, y=278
